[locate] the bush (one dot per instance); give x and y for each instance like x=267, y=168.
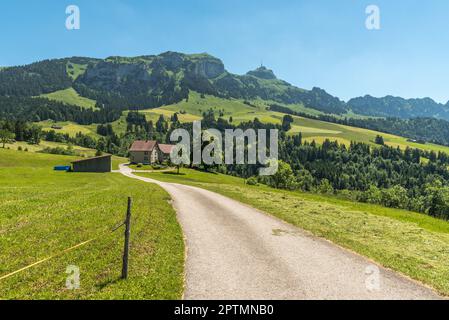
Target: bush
x=349, y=194
x=139, y=165
x=252, y=181
x=58, y=150
x=283, y=178
x=325, y=187
x=19, y=148
x=395, y=197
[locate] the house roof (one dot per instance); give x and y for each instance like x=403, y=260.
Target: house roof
x=166, y=148
x=94, y=158
x=143, y=146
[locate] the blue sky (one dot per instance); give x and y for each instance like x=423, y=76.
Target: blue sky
x=309, y=43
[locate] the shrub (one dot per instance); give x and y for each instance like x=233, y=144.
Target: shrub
x=252, y=181
x=325, y=187
x=58, y=150
x=283, y=178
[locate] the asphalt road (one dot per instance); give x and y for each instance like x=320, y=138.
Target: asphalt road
x=237, y=252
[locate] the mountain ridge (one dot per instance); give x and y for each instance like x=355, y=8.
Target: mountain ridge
x=150, y=81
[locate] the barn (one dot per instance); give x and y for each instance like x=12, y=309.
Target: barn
x=97, y=164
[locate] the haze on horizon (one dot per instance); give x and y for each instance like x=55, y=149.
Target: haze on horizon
x=307, y=43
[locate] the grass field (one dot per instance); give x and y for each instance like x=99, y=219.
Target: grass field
x=70, y=128
x=414, y=244
x=79, y=151
x=43, y=212
x=241, y=112
x=120, y=125
x=197, y=105
x=310, y=129
x=74, y=70
x=70, y=96
x=48, y=144
x=154, y=114
x=147, y=167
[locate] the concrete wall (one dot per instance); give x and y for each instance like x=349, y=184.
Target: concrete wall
x=103, y=164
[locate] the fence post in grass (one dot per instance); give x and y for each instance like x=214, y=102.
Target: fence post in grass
x=127, y=234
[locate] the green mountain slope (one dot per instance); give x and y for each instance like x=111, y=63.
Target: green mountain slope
x=311, y=129
x=390, y=106
x=155, y=80
x=152, y=81
x=70, y=96
x=116, y=84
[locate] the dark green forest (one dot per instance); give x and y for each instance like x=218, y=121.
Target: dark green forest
x=40, y=109
x=421, y=130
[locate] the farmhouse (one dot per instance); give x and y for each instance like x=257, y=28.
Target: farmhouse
x=165, y=151
x=97, y=164
x=149, y=152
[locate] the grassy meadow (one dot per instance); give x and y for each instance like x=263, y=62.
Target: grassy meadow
x=43, y=212
x=192, y=110
x=80, y=152
x=70, y=96
x=70, y=128
x=74, y=70
x=311, y=130
x=414, y=244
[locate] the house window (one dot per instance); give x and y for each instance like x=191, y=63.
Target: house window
x=146, y=153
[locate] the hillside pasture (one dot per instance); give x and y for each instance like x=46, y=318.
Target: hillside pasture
x=74, y=70
x=310, y=129
x=70, y=128
x=240, y=111
x=81, y=151
x=154, y=114
x=70, y=96
x=43, y=213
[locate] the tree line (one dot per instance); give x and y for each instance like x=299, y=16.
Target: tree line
x=420, y=130
x=41, y=109
x=410, y=179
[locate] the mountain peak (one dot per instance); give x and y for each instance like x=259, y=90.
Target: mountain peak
x=262, y=73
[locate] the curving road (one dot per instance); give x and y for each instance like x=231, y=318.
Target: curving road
x=236, y=252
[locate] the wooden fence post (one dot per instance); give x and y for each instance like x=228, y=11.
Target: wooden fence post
x=127, y=234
